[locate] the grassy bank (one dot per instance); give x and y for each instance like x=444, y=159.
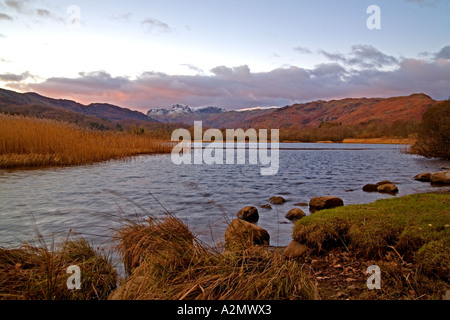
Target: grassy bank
x=33, y=142
x=408, y=237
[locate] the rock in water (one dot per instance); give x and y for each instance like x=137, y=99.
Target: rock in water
x=370, y=188
x=277, y=200
x=383, y=182
x=295, y=214
x=388, y=188
x=320, y=203
x=441, y=177
x=241, y=233
x=294, y=250
x=424, y=176
x=249, y=214
x=266, y=206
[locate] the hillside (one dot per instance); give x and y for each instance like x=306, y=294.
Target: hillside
x=347, y=112
x=34, y=104
x=351, y=111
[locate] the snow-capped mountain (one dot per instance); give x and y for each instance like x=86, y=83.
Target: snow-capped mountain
x=181, y=109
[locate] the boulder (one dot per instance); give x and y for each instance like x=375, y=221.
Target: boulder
x=424, y=176
x=266, y=206
x=320, y=203
x=249, y=214
x=388, y=188
x=294, y=250
x=383, y=182
x=441, y=177
x=242, y=233
x=370, y=188
x=277, y=200
x=295, y=214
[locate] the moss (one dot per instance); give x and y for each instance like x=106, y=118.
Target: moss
x=406, y=224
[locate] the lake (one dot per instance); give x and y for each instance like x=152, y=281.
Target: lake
x=93, y=200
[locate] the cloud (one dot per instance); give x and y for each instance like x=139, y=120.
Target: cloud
x=364, y=56
x=192, y=67
x=239, y=87
x=444, y=53
x=122, y=17
x=16, y=5
x=152, y=25
x=303, y=50
x=5, y=17
x=10, y=77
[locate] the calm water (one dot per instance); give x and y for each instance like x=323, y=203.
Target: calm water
x=92, y=200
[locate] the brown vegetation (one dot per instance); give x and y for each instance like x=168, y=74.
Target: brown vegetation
x=434, y=133
x=39, y=273
x=33, y=142
x=167, y=262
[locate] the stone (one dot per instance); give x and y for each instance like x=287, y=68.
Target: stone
x=388, y=188
x=249, y=214
x=383, y=182
x=266, y=206
x=241, y=233
x=295, y=214
x=440, y=177
x=320, y=203
x=370, y=188
x=277, y=200
x=424, y=176
x=301, y=204
x=294, y=250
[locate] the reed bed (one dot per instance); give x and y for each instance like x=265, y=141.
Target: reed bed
x=34, y=142
x=167, y=262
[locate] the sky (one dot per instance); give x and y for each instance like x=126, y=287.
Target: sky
x=232, y=54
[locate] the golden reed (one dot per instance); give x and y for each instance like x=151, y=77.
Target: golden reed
x=33, y=142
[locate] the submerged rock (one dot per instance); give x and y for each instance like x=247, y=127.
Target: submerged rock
x=277, y=200
x=301, y=204
x=295, y=214
x=424, y=176
x=370, y=188
x=249, y=214
x=441, y=177
x=383, y=182
x=320, y=203
x=242, y=233
x=266, y=206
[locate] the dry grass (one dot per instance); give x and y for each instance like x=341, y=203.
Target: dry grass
x=33, y=142
x=38, y=273
x=168, y=263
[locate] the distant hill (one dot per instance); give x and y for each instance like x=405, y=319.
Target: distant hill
x=312, y=114
x=34, y=104
x=351, y=111
x=183, y=113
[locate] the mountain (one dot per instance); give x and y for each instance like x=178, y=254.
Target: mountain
x=312, y=114
x=349, y=111
x=183, y=113
x=34, y=104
